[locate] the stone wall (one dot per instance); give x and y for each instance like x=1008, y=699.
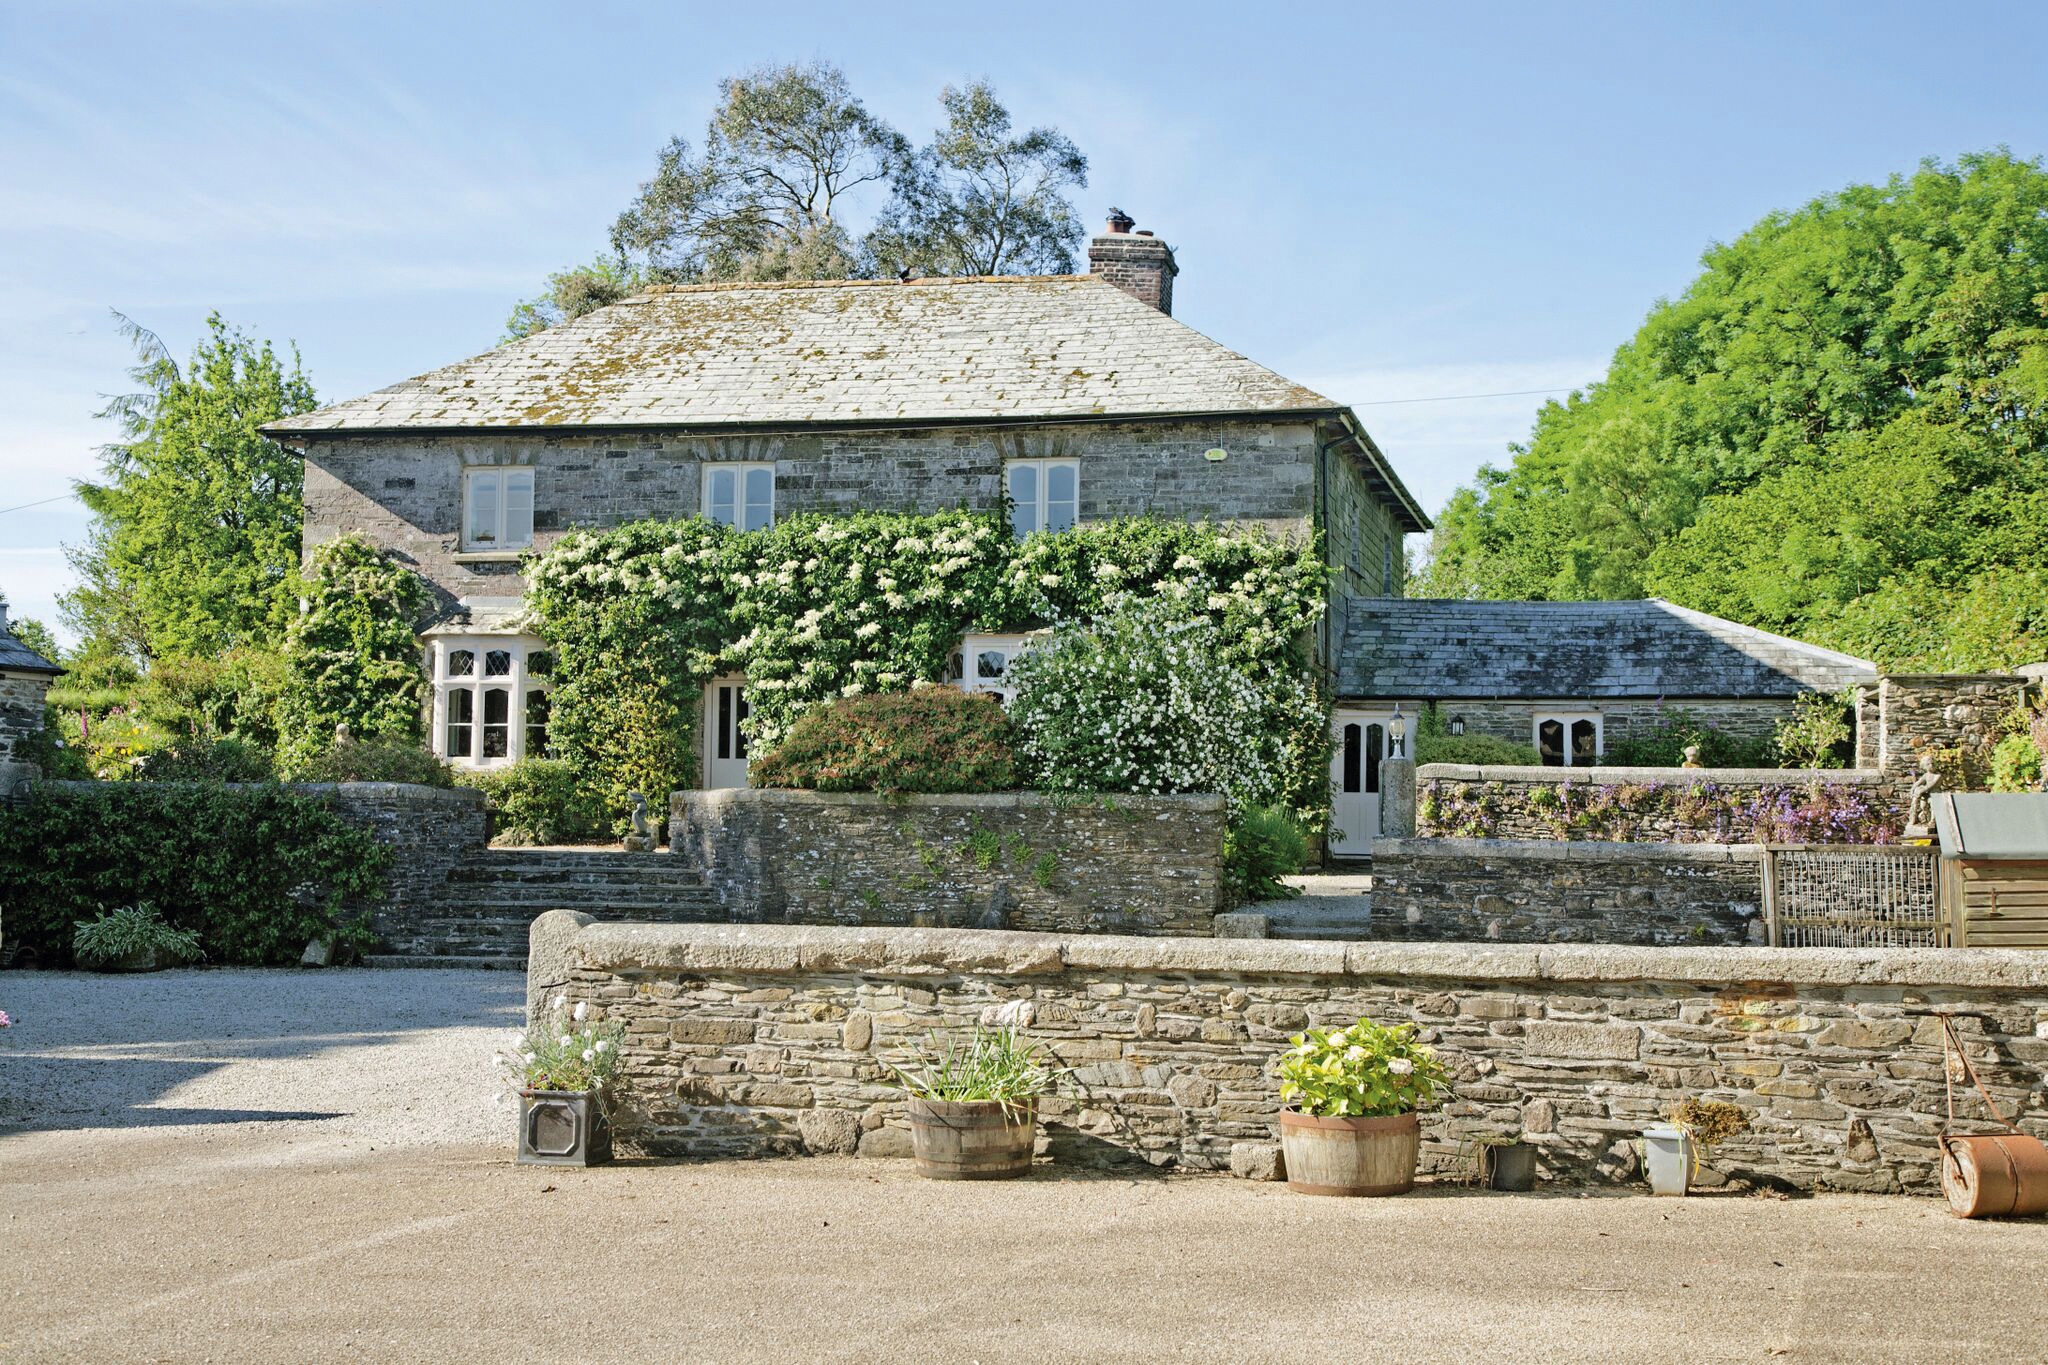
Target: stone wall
x=1023, y=860
x=1364, y=542
x=429, y=831
x=1933, y=713
x=1534, y=891
x=21, y=715
x=758, y=1040
x=406, y=492
x=1445, y=789
x=1754, y=718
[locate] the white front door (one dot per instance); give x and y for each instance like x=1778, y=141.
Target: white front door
x=1355, y=782
x=725, y=743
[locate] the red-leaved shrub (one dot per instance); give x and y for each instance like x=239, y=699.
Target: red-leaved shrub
x=933, y=739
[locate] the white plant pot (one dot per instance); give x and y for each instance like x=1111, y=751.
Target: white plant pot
x=1667, y=1158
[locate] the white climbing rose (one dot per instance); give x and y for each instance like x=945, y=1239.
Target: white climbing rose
x=1400, y=1066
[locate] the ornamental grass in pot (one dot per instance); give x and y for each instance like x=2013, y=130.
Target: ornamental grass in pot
x=1352, y=1095
x=974, y=1105
x=564, y=1069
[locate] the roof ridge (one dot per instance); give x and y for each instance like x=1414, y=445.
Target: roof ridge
x=722, y=286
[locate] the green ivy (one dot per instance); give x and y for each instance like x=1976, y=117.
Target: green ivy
x=256, y=871
x=352, y=656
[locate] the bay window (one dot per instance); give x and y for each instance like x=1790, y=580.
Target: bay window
x=490, y=699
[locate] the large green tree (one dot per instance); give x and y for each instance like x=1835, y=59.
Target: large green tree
x=792, y=162
x=194, y=546
x=1840, y=430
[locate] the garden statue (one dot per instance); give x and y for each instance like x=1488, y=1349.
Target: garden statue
x=641, y=840
x=343, y=736
x=1692, y=757
x=1919, y=809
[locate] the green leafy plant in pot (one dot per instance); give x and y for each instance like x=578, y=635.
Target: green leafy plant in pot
x=1352, y=1095
x=974, y=1104
x=564, y=1070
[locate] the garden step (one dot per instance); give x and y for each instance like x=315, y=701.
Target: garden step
x=474, y=963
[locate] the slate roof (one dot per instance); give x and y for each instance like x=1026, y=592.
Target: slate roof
x=16, y=657
x=1423, y=648
x=843, y=351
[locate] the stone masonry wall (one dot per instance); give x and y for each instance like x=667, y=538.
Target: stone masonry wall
x=428, y=829
x=1364, y=541
x=1621, y=718
x=1524, y=891
x=1929, y=713
x=1512, y=815
x=1024, y=860
x=406, y=492
x=21, y=709
x=760, y=1040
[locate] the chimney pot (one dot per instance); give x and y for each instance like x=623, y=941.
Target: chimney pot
x=1121, y=222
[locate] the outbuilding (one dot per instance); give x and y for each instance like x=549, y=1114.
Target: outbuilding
x=1993, y=882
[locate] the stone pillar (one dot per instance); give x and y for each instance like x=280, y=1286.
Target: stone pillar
x=1397, y=798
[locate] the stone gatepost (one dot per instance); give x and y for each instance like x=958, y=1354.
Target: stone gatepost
x=1397, y=798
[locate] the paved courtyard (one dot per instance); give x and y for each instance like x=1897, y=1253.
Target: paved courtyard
x=229, y=1165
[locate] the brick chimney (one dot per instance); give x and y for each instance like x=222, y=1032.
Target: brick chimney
x=1136, y=262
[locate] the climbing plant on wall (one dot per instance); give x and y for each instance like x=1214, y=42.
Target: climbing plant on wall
x=351, y=656
x=643, y=616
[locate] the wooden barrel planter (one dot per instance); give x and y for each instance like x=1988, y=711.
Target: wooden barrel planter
x=972, y=1140
x=1350, y=1156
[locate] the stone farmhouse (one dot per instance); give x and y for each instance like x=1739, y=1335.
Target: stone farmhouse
x=1080, y=397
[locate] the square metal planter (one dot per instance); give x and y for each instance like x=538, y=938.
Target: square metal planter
x=563, y=1128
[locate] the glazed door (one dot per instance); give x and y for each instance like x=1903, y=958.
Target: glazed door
x=725, y=743
x=1355, y=782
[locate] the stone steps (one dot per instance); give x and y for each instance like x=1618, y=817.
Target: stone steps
x=1339, y=917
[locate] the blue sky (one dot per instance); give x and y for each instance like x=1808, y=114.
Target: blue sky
x=1386, y=202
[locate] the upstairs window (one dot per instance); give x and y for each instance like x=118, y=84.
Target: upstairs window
x=741, y=495
x=497, y=511
x=1045, y=495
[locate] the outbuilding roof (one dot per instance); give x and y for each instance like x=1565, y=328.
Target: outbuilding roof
x=1421, y=648
x=1992, y=826
x=839, y=351
x=16, y=657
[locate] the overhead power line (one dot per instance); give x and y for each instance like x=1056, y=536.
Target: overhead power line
x=61, y=497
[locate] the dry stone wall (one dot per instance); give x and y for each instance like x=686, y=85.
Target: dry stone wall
x=1022, y=860
x=1953, y=714
x=767, y=1040
x=1525, y=891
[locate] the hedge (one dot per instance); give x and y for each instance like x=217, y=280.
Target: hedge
x=256, y=870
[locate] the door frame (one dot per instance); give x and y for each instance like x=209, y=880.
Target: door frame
x=708, y=730
x=1365, y=716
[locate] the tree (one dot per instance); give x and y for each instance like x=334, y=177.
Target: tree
x=785, y=147
x=981, y=201
x=195, y=543
x=788, y=166
x=1840, y=431
x=573, y=292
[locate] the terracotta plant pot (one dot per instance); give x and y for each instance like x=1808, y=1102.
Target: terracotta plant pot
x=1350, y=1156
x=563, y=1128
x=972, y=1140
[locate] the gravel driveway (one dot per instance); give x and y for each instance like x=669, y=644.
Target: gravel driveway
x=277, y=1064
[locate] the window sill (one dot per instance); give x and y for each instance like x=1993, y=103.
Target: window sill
x=488, y=556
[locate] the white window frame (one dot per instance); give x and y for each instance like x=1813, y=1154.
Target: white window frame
x=1568, y=719
x=965, y=670
x=741, y=503
x=518, y=681
x=1031, y=515
x=504, y=533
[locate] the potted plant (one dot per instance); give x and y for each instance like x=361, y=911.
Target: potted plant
x=1352, y=1096
x=563, y=1070
x=974, y=1107
x=133, y=938
x=1502, y=1162
x=1672, y=1152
